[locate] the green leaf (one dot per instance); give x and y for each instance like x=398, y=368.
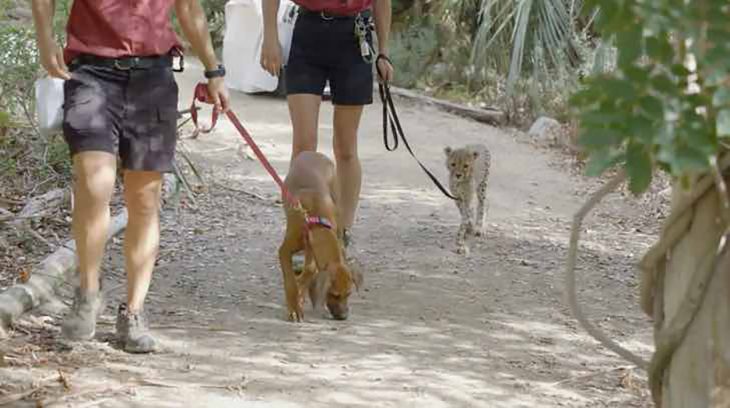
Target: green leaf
x=723, y=123
x=602, y=160
x=688, y=158
x=600, y=138
x=638, y=168
x=652, y=106
x=663, y=84
x=637, y=74
x=659, y=48
x=616, y=88
x=629, y=45
x=642, y=129
x=721, y=98
x=680, y=70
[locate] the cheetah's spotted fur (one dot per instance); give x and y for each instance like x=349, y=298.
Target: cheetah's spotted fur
x=469, y=168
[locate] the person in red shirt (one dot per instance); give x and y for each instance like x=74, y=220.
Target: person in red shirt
x=332, y=42
x=120, y=99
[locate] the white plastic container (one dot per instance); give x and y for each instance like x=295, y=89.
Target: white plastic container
x=242, y=43
x=49, y=104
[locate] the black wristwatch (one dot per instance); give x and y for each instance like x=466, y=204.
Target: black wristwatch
x=216, y=73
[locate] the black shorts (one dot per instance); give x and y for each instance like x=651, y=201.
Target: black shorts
x=327, y=50
x=129, y=112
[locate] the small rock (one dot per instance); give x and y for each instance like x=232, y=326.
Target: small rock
x=545, y=130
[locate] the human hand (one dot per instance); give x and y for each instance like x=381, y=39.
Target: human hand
x=271, y=59
x=52, y=58
x=385, y=68
x=218, y=94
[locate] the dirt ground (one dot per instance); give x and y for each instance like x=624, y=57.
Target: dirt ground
x=430, y=328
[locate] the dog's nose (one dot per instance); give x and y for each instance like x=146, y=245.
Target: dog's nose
x=340, y=316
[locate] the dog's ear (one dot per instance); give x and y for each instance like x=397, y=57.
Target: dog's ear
x=357, y=278
x=447, y=150
x=319, y=287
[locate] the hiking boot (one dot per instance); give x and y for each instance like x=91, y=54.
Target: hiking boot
x=80, y=323
x=133, y=333
x=347, y=242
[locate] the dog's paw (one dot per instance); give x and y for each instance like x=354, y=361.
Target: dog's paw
x=295, y=316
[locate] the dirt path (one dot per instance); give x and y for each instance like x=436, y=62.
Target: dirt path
x=431, y=328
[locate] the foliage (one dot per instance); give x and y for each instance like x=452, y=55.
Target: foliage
x=667, y=104
x=215, y=14
x=27, y=160
x=471, y=49
x=19, y=68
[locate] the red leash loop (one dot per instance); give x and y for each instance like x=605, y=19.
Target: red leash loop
x=201, y=95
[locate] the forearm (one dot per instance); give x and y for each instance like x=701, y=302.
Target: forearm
x=383, y=15
x=270, y=9
x=43, y=11
x=195, y=27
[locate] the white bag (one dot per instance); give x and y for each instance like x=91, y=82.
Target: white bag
x=49, y=104
x=243, y=40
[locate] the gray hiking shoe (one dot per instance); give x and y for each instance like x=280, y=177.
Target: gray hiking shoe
x=133, y=332
x=347, y=242
x=80, y=323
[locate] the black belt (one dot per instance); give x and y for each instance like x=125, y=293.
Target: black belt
x=125, y=63
x=325, y=15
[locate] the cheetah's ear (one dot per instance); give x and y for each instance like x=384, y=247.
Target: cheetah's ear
x=447, y=150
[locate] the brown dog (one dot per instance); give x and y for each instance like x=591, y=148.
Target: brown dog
x=312, y=180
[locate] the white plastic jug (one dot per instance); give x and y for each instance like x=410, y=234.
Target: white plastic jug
x=243, y=40
x=49, y=104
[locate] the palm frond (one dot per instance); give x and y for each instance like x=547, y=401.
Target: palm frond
x=541, y=32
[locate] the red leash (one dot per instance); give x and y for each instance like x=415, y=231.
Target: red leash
x=201, y=95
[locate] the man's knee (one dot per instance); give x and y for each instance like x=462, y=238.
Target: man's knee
x=95, y=177
x=142, y=194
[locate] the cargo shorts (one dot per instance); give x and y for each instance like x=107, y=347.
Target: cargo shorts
x=131, y=113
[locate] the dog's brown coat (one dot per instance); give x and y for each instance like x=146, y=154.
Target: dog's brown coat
x=312, y=179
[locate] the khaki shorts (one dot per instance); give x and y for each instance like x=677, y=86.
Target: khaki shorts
x=132, y=113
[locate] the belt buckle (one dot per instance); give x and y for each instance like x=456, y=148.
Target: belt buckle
x=126, y=67
x=324, y=16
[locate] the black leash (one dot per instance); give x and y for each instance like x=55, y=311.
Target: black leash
x=391, y=117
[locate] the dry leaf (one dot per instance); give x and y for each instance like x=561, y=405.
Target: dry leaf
x=64, y=380
x=24, y=275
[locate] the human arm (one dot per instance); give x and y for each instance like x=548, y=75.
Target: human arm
x=382, y=11
x=51, y=54
x=195, y=27
x=271, y=58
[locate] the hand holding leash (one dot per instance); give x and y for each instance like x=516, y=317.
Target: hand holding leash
x=385, y=68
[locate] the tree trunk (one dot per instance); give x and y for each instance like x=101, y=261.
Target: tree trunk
x=699, y=372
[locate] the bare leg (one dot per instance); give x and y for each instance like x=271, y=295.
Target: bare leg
x=141, y=241
x=349, y=172
x=95, y=175
x=304, y=113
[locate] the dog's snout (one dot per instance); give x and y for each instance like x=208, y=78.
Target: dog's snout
x=338, y=311
x=458, y=176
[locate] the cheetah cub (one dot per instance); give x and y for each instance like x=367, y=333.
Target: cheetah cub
x=469, y=172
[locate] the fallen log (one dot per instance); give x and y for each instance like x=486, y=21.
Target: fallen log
x=490, y=116
x=56, y=269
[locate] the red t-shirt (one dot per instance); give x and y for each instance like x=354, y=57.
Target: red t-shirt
x=120, y=28
x=344, y=7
